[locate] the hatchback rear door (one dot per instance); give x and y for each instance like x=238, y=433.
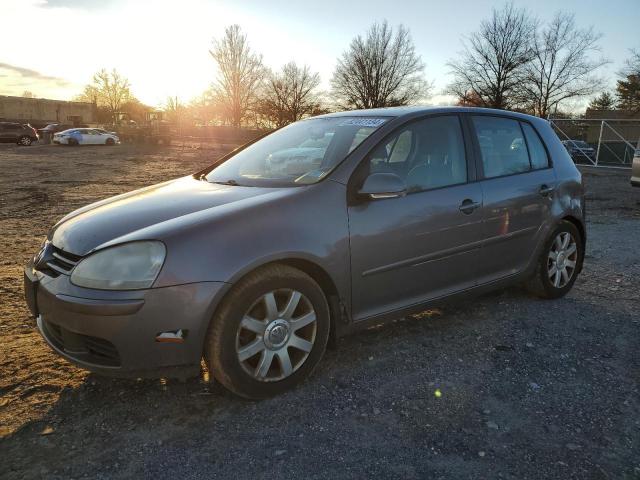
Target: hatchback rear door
x=517, y=183
x=411, y=249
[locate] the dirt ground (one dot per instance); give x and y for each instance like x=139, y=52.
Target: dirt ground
x=506, y=386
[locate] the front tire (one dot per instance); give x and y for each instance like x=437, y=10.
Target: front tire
x=110, y=142
x=269, y=332
x=559, y=263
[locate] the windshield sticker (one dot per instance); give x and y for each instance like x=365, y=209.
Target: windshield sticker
x=363, y=122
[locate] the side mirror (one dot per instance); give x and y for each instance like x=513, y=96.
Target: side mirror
x=383, y=185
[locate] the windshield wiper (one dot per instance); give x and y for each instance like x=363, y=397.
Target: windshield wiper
x=231, y=182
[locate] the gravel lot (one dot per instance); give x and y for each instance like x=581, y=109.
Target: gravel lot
x=506, y=386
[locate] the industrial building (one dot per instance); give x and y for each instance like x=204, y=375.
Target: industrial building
x=40, y=111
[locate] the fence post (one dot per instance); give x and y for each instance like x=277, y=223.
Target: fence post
x=599, y=142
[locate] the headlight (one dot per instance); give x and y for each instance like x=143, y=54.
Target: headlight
x=125, y=267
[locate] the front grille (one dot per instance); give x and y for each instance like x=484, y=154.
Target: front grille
x=62, y=262
x=84, y=348
x=55, y=261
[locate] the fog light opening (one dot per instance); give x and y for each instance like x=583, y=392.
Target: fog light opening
x=172, y=336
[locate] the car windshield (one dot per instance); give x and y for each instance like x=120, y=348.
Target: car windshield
x=580, y=143
x=299, y=154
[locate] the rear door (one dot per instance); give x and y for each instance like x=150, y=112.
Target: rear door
x=411, y=249
x=517, y=186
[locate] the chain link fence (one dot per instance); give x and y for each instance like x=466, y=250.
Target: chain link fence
x=599, y=142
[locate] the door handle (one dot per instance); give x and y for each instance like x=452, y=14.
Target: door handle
x=546, y=190
x=468, y=206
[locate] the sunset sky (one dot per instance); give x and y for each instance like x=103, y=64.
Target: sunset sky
x=53, y=47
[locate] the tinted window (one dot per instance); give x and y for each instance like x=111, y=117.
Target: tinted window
x=537, y=153
x=504, y=151
x=425, y=154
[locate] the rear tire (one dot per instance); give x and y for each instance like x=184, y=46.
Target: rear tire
x=269, y=332
x=559, y=264
x=25, y=141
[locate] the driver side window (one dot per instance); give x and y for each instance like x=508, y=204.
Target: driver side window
x=425, y=154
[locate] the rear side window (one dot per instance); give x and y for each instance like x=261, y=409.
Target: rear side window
x=537, y=153
x=502, y=145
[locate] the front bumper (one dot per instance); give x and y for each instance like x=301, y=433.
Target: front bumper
x=114, y=332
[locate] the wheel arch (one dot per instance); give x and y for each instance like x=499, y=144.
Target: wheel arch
x=337, y=310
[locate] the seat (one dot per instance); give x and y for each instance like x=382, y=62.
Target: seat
x=432, y=168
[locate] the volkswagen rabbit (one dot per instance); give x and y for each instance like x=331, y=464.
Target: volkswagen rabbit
x=309, y=233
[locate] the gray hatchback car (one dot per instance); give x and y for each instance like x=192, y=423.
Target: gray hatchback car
x=311, y=232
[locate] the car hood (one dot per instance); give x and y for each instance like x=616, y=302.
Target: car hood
x=88, y=228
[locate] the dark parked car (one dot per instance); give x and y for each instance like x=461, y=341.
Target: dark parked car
x=580, y=150
x=257, y=261
x=55, y=128
x=11, y=132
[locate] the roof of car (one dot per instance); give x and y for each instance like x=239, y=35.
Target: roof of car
x=402, y=111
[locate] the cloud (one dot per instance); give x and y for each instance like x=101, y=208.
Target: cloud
x=29, y=75
x=76, y=4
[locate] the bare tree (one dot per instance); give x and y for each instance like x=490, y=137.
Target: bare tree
x=491, y=66
x=604, y=101
x=109, y=90
x=240, y=73
x=204, y=109
x=562, y=66
x=175, y=110
x=27, y=94
x=632, y=64
x=380, y=70
x=290, y=94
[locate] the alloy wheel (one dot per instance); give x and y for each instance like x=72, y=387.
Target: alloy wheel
x=276, y=335
x=562, y=259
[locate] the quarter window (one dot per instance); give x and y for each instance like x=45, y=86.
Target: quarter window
x=537, y=153
x=426, y=154
x=502, y=145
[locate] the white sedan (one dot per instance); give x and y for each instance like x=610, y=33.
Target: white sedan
x=85, y=136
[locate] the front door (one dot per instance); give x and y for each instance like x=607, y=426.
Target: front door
x=10, y=132
x=90, y=137
x=5, y=131
x=517, y=186
x=411, y=249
